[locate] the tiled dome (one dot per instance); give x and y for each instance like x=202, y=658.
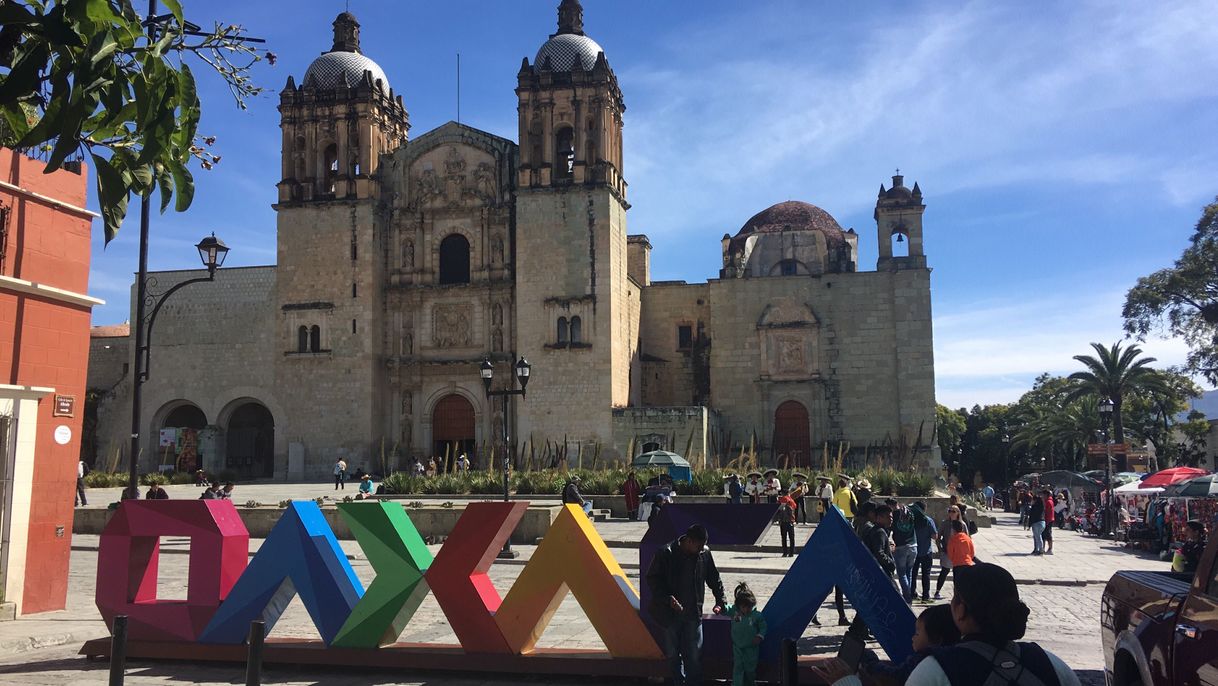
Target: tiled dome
x=340, y=69
x=564, y=48
x=794, y=215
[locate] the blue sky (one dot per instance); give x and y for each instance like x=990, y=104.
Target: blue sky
x=1064, y=148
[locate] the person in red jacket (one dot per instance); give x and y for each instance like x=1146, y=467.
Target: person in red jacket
x=786, y=524
x=1050, y=515
x=631, y=489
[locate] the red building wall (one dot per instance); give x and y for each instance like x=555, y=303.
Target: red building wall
x=44, y=341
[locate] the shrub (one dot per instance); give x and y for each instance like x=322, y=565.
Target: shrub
x=401, y=483
x=917, y=485
x=284, y=503
x=104, y=480
x=253, y=503
x=154, y=478
x=485, y=483
x=181, y=478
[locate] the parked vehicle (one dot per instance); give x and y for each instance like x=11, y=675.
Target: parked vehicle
x=1161, y=628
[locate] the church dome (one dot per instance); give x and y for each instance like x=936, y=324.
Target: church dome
x=794, y=215
x=342, y=69
x=564, y=49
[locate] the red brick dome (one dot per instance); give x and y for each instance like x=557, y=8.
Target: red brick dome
x=794, y=215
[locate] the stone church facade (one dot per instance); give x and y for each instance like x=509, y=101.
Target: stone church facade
x=403, y=262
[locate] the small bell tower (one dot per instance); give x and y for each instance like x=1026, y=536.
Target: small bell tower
x=898, y=220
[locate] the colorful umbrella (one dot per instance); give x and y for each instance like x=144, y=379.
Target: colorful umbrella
x=1168, y=477
x=1198, y=487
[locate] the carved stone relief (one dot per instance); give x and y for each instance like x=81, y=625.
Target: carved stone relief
x=790, y=353
x=408, y=254
x=451, y=325
x=497, y=314
x=497, y=341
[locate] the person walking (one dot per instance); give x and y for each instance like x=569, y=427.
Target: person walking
x=81, y=470
x=1036, y=518
x=876, y=537
x=924, y=533
x=630, y=490
x=786, y=524
x=340, y=473
x=1050, y=517
x=991, y=618
x=748, y=631
x=988, y=492
x=945, y=561
x=824, y=493
x=905, y=553
x=678, y=578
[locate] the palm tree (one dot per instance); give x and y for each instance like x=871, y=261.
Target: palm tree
x=1115, y=373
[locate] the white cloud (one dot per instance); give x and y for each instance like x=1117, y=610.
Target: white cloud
x=991, y=352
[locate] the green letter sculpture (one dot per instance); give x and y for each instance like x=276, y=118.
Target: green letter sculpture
x=400, y=557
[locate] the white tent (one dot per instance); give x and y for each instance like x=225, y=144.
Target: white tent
x=1131, y=488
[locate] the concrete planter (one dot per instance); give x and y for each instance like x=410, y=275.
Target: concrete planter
x=430, y=520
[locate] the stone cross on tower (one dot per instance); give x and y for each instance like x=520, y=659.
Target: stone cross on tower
x=571, y=17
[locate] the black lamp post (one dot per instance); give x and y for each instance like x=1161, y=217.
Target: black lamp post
x=1105, y=420
x=487, y=371
x=212, y=252
x=1006, y=467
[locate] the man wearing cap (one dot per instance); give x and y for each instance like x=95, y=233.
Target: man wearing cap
x=991, y=618
x=678, y=578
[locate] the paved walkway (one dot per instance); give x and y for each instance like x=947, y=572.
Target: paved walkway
x=1062, y=590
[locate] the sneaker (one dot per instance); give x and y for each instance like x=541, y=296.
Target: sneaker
x=937, y=596
x=926, y=599
x=1048, y=552
x=842, y=621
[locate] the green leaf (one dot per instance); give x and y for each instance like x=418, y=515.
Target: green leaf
x=112, y=195
x=165, y=180
x=174, y=7
x=23, y=78
x=185, y=184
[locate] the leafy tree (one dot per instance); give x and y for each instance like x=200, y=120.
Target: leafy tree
x=1182, y=300
x=949, y=424
x=983, y=453
x=88, y=74
x=1196, y=431
x=1116, y=373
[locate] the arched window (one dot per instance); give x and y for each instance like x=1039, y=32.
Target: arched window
x=900, y=242
x=302, y=339
x=577, y=333
x=330, y=157
x=562, y=330
x=454, y=259
x=566, y=153
x=787, y=268
x=315, y=339
x=298, y=167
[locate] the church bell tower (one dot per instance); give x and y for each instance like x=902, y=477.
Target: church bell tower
x=573, y=295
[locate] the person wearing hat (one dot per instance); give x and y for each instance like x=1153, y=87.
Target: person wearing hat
x=678, y=578
x=991, y=618
x=862, y=491
x=824, y=494
x=753, y=488
x=773, y=487
x=365, y=487
x=799, y=493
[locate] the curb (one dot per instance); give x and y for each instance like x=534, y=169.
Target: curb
x=27, y=644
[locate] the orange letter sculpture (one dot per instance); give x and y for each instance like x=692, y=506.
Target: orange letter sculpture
x=573, y=556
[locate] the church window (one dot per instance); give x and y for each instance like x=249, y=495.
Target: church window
x=299, y=159
x=788, y=267
x=454, y=259
x=685, y=337
x=314, y=339
x=302, y=339
x=331, y=168
x=566, y=153
x=352, y=326
x=577, y=333
x=354, y=290
x=563, y=330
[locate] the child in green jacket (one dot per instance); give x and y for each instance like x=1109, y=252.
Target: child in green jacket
x=748, y=630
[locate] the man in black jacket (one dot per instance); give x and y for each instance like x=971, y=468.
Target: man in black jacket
x=678, y=578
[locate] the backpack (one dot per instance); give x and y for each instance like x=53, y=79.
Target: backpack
x=984, y=664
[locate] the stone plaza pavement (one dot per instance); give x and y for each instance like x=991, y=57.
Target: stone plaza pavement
x=1062, y=590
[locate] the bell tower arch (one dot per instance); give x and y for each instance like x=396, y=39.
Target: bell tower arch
x=898, y=220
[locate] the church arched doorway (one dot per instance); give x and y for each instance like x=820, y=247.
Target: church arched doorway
x=250, y=441
x=452, y=430
x=791, y=435
x=178, y=437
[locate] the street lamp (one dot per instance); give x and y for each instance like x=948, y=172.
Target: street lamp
x=1105, y=420
x=1006, y=457
x=212, y=252
x=487, y=371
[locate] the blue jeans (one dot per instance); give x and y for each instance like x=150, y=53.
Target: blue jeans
x=683, y=647
x=905, y=556
x=1038, y=540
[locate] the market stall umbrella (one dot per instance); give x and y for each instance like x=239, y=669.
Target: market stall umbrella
x=1134, y=488
x=1060, y=478
x=1197, y=487
x=1168, y=477
x=677, y=466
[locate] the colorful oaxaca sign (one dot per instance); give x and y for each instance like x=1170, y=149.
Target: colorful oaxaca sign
x=301, y=557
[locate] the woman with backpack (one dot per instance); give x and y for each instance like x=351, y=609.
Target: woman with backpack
x=991, y=618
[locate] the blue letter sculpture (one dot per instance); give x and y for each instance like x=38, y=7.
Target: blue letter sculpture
x=300, y=555
x=833, y=556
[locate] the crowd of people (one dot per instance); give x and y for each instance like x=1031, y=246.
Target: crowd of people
x=973, y=640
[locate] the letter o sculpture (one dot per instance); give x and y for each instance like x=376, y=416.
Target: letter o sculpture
x=127, y=565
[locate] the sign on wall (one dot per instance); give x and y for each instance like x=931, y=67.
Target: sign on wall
x=65, y=406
